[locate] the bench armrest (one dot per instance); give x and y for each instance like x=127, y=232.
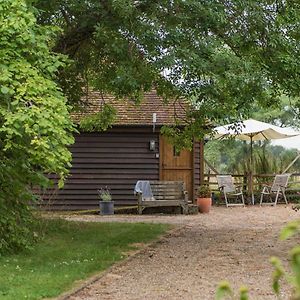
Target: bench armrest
x=186, y=196
x=140, y=197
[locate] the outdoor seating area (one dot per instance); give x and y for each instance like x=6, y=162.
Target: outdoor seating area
x=252, y=187
x=268, y=189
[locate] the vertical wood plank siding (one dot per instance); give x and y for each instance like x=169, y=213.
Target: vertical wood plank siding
x=197, y=166
x=113, y=159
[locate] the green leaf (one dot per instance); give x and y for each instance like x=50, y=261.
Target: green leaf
x=223, y=290
x=278, y=273
x=61, y=183
x=244, y=293
x=4, y=90
x=289, y=230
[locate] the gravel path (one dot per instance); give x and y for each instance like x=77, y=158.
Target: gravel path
x=227, y=244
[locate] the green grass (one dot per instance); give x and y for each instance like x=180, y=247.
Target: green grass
x=70, y=251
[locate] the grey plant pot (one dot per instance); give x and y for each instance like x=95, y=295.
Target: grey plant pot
x=106, y=207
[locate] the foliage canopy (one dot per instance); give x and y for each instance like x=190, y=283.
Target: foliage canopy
x=34, y=123
x=224, y=56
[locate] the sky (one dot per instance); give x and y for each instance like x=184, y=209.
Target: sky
x=293, y=142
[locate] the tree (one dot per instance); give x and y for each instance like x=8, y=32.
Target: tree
x=232, y=156
x=223, y=56
x=35, y=127
x=285, y=114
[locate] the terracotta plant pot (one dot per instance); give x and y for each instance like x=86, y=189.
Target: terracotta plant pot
x=204, y=204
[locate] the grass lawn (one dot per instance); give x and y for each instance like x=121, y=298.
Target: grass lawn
x=70, y=251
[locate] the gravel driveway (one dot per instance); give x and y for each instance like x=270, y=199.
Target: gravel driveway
x=231, y=244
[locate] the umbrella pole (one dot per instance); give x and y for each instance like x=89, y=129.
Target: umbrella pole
x=251, y=170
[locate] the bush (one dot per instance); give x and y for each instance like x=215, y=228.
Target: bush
x=35, y=126
x=17, y=221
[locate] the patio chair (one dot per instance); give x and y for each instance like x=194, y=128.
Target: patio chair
x=277, y=189
x=230, y=190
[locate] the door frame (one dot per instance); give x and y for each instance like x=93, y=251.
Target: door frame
x=161, y=155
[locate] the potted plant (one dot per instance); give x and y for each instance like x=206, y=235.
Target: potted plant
x=204, y=198
x=106, y=204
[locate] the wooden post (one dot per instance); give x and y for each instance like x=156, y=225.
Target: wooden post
x=292, y=163
x=201, y=162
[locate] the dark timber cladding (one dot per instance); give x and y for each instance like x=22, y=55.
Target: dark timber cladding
x=113, y=159
x=197, y=161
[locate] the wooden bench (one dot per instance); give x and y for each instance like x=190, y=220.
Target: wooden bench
x=165, y=193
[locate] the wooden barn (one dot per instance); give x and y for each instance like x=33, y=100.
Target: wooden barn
x=133, y=149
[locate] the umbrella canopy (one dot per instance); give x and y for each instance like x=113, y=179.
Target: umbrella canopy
x=252, y=130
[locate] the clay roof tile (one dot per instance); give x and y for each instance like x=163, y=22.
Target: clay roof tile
x=129, y=113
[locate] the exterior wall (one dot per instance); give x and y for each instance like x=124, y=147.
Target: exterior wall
x=116, y=159
x=198, y=169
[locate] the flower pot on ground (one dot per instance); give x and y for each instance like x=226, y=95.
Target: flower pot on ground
x=106, y=208
x=204, y=200
x=106, y=204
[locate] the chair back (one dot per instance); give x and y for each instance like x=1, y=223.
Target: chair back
x=280, y=181
x=226, y=182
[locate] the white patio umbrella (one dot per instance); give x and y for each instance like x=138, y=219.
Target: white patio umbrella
x=252, y=130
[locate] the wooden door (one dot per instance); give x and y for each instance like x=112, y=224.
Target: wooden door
x=176, y=166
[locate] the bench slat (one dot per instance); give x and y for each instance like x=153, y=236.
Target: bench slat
x=165, y=182
x=162, y=203
x=167, y=198
x=162, y=194
x=176, y=190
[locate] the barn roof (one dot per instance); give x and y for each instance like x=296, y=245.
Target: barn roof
x=129, y=113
